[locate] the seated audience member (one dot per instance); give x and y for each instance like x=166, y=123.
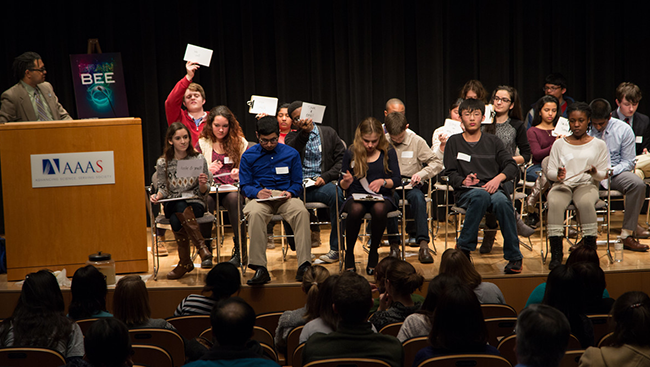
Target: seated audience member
x=221, y=282
x=631, y=339
x=542, y=336
x=457, y=327
x=312, y=282
x=554, y=85
x=222, y=144
x=417, y=162
x=88, y=294
x=619, y=138
x=269, y=169
x=419, y=322
x=354, y=337
x=628, y=96
x=576, y=164
x=579, y=255
x=380, y=282
x=472, y=160
x=396, y=303
x=372, y=160
x=107, y=344
x=39, y=320
x=131, y=305
x=564, y=291
x=454, y=262
x=232, y=322
x=592, y=279
x=474, y=89
x=323, y=319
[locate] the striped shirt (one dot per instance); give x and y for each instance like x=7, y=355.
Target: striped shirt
x=195, y=304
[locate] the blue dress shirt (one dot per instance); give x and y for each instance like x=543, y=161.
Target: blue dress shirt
x=620, y=141
x=263, y=169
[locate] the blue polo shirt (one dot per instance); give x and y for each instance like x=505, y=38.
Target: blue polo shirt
x=277, y=169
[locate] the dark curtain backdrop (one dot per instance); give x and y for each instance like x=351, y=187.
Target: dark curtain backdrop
x=351, y=56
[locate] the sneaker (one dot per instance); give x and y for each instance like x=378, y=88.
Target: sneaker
x=513, y=267
x=330, y=257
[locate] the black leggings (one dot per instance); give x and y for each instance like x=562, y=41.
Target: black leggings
x=229, y=201
x=356, y=210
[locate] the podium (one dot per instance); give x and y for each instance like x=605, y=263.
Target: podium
x=58, y=227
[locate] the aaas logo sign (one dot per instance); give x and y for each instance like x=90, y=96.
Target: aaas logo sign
x=72, y=169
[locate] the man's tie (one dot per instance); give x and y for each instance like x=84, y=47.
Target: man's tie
x=627, y=120
x=40, y=107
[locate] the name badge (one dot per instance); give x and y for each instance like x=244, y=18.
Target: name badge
x=281, y=170
x=639, y=139
x=227, y=160
x=320, y=148
x=407, y=154
x=464, y=157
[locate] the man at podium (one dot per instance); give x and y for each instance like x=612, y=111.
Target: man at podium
x=32, y=98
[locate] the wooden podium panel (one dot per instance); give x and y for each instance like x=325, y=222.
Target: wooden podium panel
x=58, y=227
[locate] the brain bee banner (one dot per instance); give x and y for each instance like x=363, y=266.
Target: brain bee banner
x=99, y=85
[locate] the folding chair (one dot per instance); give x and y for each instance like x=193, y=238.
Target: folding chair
x=190, y=326
x=169, y=340
x=412, y=346
x=268, y=321
x=498, y=328
x=495, y=310
x=391, y=329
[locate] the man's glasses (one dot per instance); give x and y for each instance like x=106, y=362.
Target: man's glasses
x=268, y=141
x=42, y=70
x=550, y=88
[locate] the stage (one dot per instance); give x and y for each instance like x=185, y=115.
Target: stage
x=284, y=293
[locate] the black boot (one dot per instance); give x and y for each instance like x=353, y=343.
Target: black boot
x=556, y=251
x=235, y=259
x=590, y=241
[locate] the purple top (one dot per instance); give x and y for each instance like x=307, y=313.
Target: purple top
x=226, y=168
x=540, y=142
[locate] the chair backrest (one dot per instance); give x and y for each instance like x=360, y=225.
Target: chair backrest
x=571, y=358
x=391, y=329
x=207, y=333
x=606, y=340
x=169, y=340
x=297, y=356
x=466, y=360
x=507, y=348
x=85, y=324
x=412, y=347
x=348, y=362
x=29, y=357
x=498, y=328
x=263, y=336
x=574, y=343
x=293, y=339
x=268, y=321
x=151, y=355
x=190, y=326
x=602, y=325
x=268, y=351
x=495, y=310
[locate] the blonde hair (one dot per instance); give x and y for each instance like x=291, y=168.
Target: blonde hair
x=369, y=125
x=311, y=282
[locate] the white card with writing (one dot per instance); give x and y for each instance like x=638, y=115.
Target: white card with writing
x=261, y=104
x=190, y=167
x=453, y=127
x=464, y=157
x=639, y=139
x=562, y=127
x=315, y=112
x=201, y=55
x=488, y=115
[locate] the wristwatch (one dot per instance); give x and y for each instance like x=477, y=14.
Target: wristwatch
x=384, y=185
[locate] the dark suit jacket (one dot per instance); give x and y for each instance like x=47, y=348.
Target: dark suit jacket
x=641, y=128
x=16, y=105
x=332, y=150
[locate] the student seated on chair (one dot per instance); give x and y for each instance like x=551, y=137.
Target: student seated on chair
x=321, y=319
x=222, y=144
x=107, y=344
x=454, y=262
x=372, y=162
x=269, y=170
x=88, y=294
x=354, y=337
x=576, y=164
x=379, y=286
x=477, y=164
x=620, y=141
x=416, y=161
x=542, y=336
x=220, y=283
x=131, y=305
x=182, y=213
x=233, y=321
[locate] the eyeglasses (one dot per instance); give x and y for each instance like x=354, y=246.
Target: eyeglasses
x=550, y=88
x=268, y=141
x=504, y=100
x=42, y=70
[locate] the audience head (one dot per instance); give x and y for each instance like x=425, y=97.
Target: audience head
x=628, y=96
x=23, y=68
x=284, y=118
x=563, y=290
x=631, y=315
x=380, y=272
x=458, y=325
x=131, y=301
x=583, y=254
x=453, y=109
x=454, y=262
x=402, y=279
x=194, y=97
x=473, y=89
x=506, y=99
x=368, y=137
x=40, y=294
x=555, y=85
x=547, y=110
x=222, y=281
x=312, y=282
x=352, y=298
x=542, y=336
x=232, y=322
x=107, y=343
x=176, y=132
x=438, y=287
x=592, y=280
x=88, y=293
x=325, y=301
x=396, y=126
x=394, y=105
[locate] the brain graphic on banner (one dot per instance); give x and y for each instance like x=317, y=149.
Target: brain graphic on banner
x=99, y=85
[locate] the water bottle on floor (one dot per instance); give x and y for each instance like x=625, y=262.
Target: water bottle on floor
x=618, y=251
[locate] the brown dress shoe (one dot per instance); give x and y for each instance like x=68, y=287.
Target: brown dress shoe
x=641, y=232
x=632, y=244
x=424, y=256
x=395, y=251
